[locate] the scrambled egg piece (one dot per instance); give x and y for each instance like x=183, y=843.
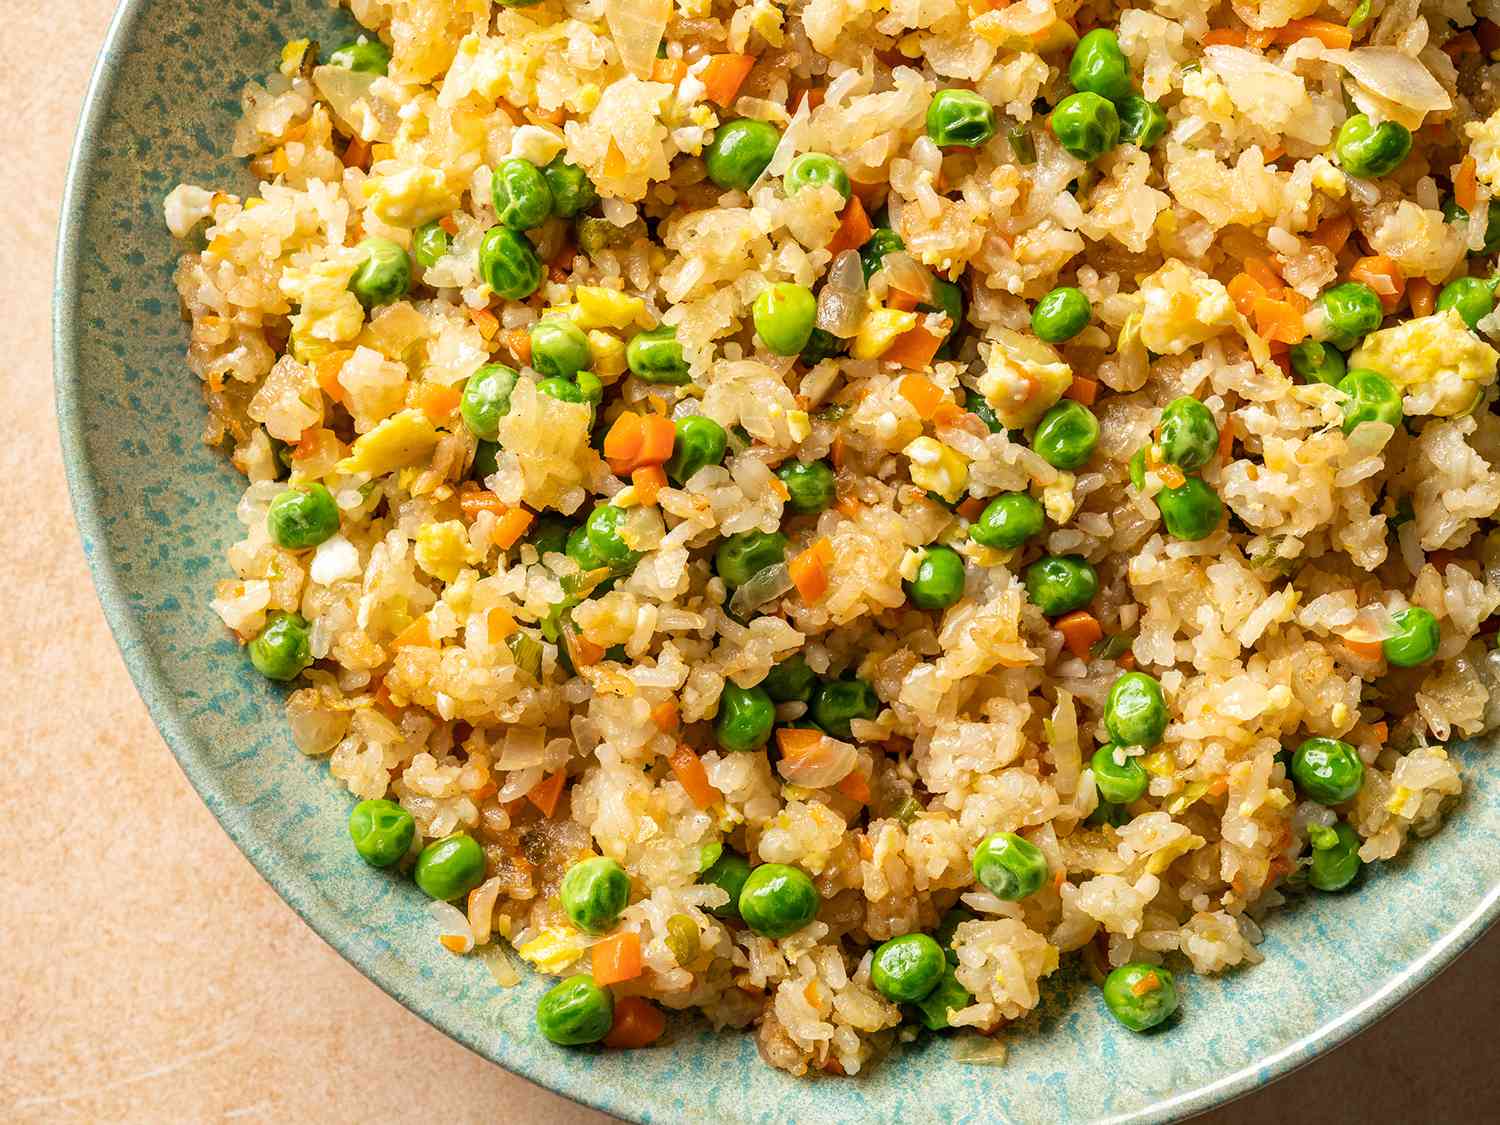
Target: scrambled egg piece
x=1183, y=308
x=598, y=306
x=411, y=196
x=401, y=440
x=1023, y=378
x=609, y=355
x=554, y=949
x=443, y=549
x=879, y=330
x=1437, y=363
x=329, y=313
x=1017, y=28
x=1485, y=148
x=937, y=468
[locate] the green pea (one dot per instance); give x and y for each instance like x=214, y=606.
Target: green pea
x=655, y=356
x=1189, y=434
x=303, y=516
x=1318, y=362
x=575, y=1011
x=1335, y=856
x=822, y=345
x=882, y=241
x=1368, y=150
x=520, y=194
x=1472, y=297
x=778, y=900
x=1118, y=784
x=810, y=486
x=975, y=403
x=508, y=263
x=1107, y=812
x=486, y=459
x=382, y=832
x=559, y=348
x=1086, y=125
x=746, y=716
x=1009, y=866
x=744, y=555
x=700, y=442
x=784, y=315
x=1372, y=398
x=939, y=582
x=953, y=918
x=947, y=997
x=594, y=892
x=729, y=871
x=1008, y=521
x=590, y=386
x=450, y=868
x=1142, y=122
x=280, y=650
x=1417, y=641
x=838, y=703
x=948, y=299
x=572, y=190
x=739, y=153
x=1066, y=436
x=1061, y=314
x=367, y=56
x=560, y=389
x=960, y=118
x=815, y=169
x=790, y=681
x=1135, y=711
x=1328, y=770
x=1058, y=584
x=550, y=536
x=1351, y=311
x=581, y=550
x=1191, y=511
x=486, y=399
x=906, y=968
x=1139, y=995
x=1453, y=213
x=383, y=275
x=603, y=527
x=429, y=242
x=596, y=234
x=1099, y=66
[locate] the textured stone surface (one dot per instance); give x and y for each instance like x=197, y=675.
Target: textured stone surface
x=151, y=975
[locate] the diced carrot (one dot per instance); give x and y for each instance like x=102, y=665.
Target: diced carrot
x=836, y=451
x=687, y=767
x=326, y=370
x=948, y=414
x=723, y=75
x=418, y=633
x=1333, y=233
x=1365, y=650
x=1260, y=37
x=1330, y=34
x=499, y=624
x=1382, y=275
x=1126, y=660
x=658, y=436
x=849, y=506
x=310, y=442
x=453, y=943
x=809, y=570
x=1465, y=187
x=517, y=341
x=1279, y=320
x=1261, y=270
x=854, y=228
x=357, y=154
x=914, y=348
x=622, y=445
x=666, y=716
x=1272, y=153
x=1380, y=731
x=1148, y=983
x=1226, y=444
x=638, y=1023
x=1218, y=787
x=1244, y=291
x=438, y=401
x=922, y=393
x=649, y=480
x=510, y=527
x=867, y=193
x=472, y=500
x=972, y=508
x=796, y=743
x=545, y=793
x=617, y=958
x=449, y=225
x=900, y=300
x=670, y=71
x=855, y=786
x=487, y=322
x=1082, y=390
x=1423, y=296
x=615, y=163
x=1080, y=629
x=1224, y=36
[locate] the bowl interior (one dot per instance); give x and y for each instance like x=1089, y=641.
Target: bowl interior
x=156, y=509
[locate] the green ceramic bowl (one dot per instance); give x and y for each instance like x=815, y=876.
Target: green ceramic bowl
x=156, y=509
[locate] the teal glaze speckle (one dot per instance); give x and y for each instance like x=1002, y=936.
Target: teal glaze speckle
x=156, y=510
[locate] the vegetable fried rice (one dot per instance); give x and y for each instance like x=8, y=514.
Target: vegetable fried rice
x=813, y=513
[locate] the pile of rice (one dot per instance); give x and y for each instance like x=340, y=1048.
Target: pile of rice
x=987, y=720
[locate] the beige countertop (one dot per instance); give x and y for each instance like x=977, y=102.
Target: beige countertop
x=148, y=974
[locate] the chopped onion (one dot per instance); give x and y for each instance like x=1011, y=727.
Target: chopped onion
x=1395, y=78
x=347, y=93
x=977, y=1050
x=453, y=927
x=826, y=764
x=501, y=967
x=905, y=273
x=482, y=909
x=786, y=148
x=841, y=303
x=1371, y=625
x=764, y=586
x=523, y=748
x=637, y=26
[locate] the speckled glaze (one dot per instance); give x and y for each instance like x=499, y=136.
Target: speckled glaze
x=156, y=509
